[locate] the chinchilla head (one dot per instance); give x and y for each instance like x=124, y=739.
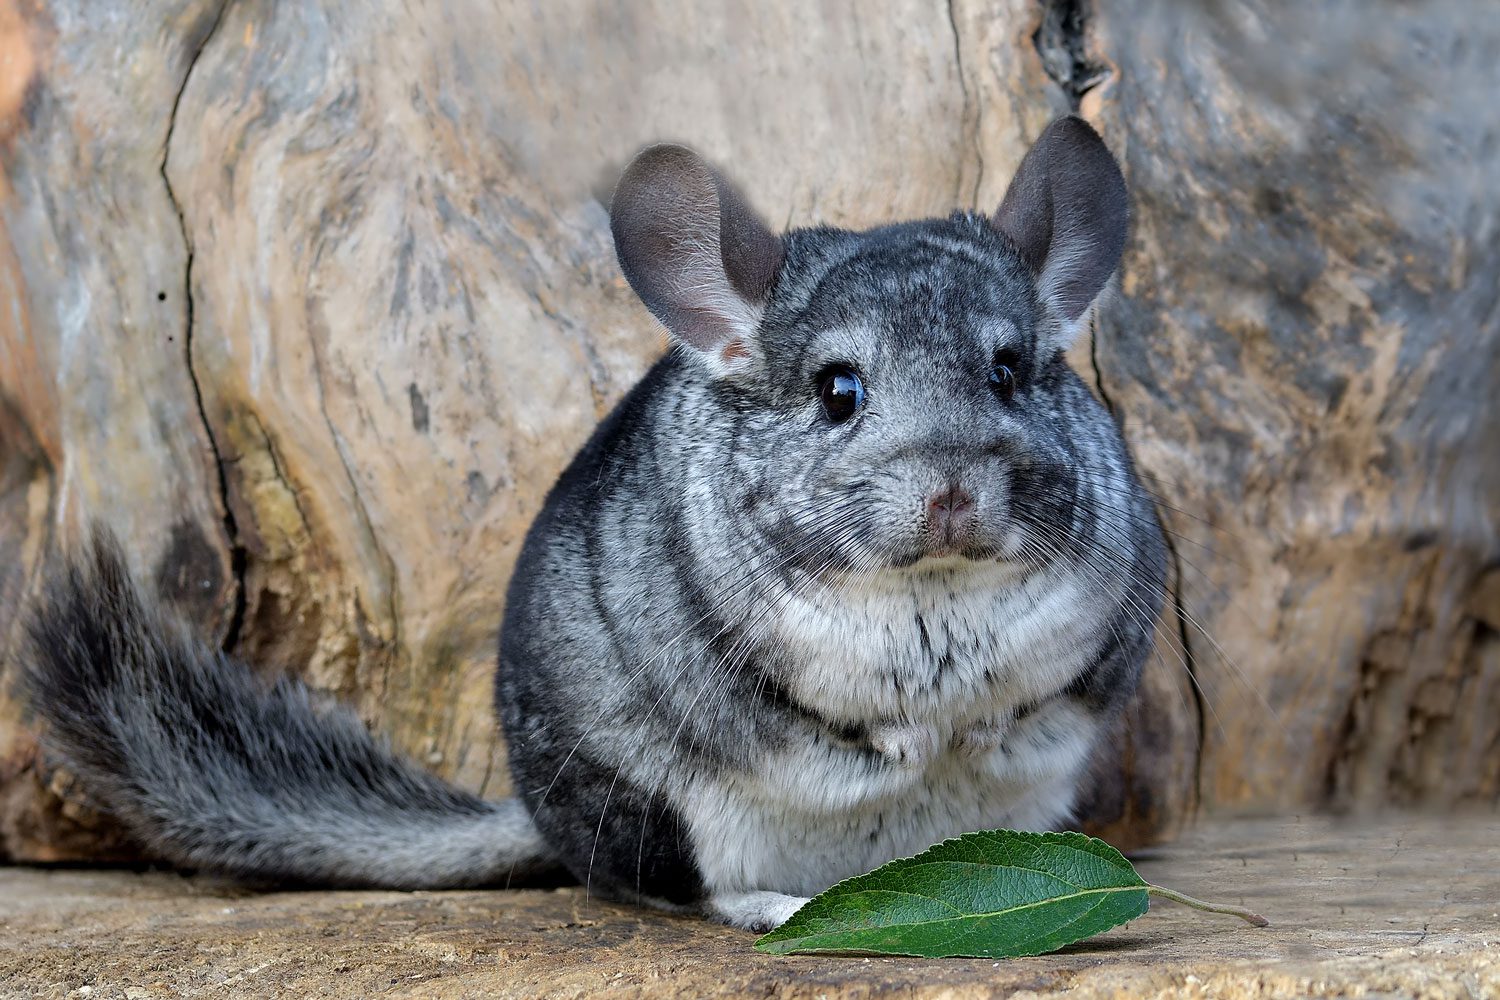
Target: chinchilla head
x=897, y=395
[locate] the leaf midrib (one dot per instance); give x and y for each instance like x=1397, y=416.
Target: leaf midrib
x=972, y=916
x=987, y=866
x=917, y=866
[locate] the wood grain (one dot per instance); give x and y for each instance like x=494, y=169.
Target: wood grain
x=312, y=302
x=1398, y=907
x=1306, y=354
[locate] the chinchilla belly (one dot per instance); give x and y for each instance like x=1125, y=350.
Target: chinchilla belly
x=932, y=662
x=811, y=816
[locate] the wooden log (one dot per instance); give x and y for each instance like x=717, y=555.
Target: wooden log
x=99, y=412
x=312, y=302
x=1306, y=355
x=1400, y=907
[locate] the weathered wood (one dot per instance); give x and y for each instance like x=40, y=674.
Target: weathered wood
x=98, y=408
x=312, y=301
x=1306, y=354
x=1395, y=908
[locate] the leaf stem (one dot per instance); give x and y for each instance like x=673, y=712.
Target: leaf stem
x=1254, y=919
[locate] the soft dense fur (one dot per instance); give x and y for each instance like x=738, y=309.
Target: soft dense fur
x=749, y=650
x=212, y=768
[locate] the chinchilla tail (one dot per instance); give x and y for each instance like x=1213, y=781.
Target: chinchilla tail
x=212, y=768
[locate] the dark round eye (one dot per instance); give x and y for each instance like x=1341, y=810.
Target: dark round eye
x=842, y=393
x=1004, y=381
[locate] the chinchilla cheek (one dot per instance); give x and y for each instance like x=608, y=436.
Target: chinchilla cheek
x=1005, y=524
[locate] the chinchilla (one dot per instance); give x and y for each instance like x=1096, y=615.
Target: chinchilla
x=859, y=565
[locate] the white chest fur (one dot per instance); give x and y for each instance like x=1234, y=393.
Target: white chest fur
x=947, y=646
x=923, y=660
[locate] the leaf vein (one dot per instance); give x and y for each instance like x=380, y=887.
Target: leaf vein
x=982, y=914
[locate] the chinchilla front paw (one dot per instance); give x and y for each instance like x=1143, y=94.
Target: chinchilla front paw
x=909, y=745
x=979, y=739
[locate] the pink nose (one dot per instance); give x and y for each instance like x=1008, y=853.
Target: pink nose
x=949, y=512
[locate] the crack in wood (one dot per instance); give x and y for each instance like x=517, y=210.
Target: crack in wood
x=237, y=552
x=1060, y=41
x=971, y=113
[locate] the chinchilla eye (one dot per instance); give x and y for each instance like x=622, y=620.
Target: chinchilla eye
x=842, y=393
x=1004, y=381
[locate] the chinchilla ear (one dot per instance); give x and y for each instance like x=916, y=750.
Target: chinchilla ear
x=1065, y=211
x=694, y=251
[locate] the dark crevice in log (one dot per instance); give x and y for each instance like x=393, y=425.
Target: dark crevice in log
x=1176, y=607
x=231, y=529
x=278, y=467
x=361, y=511
x=969, y=109
x=1190, y=664
x=23, y=462
x=1099, y=373
x=1060, y=41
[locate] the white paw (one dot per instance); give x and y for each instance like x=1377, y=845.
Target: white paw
x=908, y=745
x=755, y=911
x=980, y=739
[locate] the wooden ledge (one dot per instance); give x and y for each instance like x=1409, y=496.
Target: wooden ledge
x=1396, y=906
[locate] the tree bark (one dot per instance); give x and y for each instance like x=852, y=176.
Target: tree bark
x=311, y=302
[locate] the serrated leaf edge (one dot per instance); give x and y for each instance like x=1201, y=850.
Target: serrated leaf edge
x=974, y=916
x=1072, y=839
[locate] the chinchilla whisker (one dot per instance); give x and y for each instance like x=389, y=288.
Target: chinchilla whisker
x=823, y=544
x=816, y=549
x=1218, y=590
x=1066, y=549
x=1162, y=637
x=735, y=570
x=1122, y=483
x=1136, y=613
x=1142, y=616
x=762, y=611
x=1085, y=467
x=1083, y=500
x=1118, y=524
x=1235, y=670
x=839, y=537
x=766, y=572
x=1119, y=485
x=1120, y=535
x=841, y=587
x=1031, y=546
x=726, y=667
x=867, y=561
x=687, y=715
x=749, y=637
x=739, y=654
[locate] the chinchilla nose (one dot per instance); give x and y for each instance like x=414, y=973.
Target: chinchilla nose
x=950, y=512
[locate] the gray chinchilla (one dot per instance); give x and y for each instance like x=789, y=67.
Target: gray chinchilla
x=860, y=565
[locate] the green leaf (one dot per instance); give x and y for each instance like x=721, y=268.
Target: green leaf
x=1001, y=894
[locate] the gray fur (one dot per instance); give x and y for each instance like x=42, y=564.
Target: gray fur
x=730, y=664
x=213, y=768
x=744, y=655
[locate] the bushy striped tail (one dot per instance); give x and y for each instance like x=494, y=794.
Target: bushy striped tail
x=213, y=768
